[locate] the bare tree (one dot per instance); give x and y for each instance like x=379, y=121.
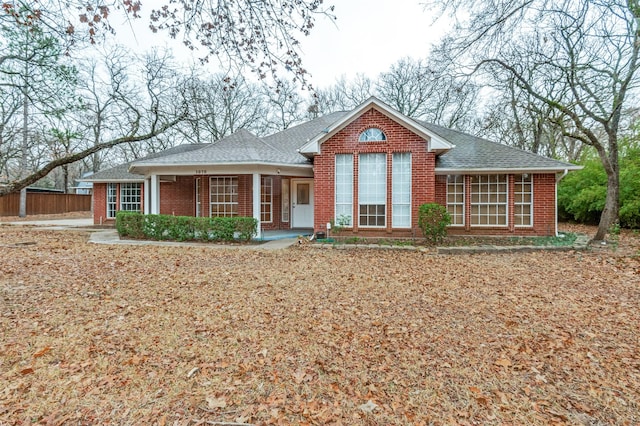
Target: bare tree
x=427, y=90
x=342, y=96
x=262, y=36
x=578, y=57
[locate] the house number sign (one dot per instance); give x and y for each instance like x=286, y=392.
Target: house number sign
x=201, y=172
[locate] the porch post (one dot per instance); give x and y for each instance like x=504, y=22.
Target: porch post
x=256, y=203
x=155, y=194
x=147, y=196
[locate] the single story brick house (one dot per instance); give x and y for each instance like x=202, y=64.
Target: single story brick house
x=369, y=169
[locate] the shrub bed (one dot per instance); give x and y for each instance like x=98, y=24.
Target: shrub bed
x=185, y=228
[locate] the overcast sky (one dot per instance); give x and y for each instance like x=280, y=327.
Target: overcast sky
x=367, y=37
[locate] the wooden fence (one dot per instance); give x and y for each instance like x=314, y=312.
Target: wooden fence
x=45, y=203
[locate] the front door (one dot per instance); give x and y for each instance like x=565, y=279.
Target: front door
x=302, y=203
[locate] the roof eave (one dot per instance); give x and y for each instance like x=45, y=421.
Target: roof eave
x=485, y=170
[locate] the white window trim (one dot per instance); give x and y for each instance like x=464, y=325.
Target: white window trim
x=530, y=225
x=130, y=186
x=198, y=205
x=365, y=134
x=386, y=207
x=286, y=201
x=211, y=203
x=464, y=199
x=335, y=193
x=114, y=202
x=267, y=181
x=506, y=204
x=410, y=190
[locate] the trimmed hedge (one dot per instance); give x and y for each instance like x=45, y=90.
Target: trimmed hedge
x=185, y=228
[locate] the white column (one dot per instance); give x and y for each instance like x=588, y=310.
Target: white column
x=155, y=194
x=147, y=196
x=256, y=202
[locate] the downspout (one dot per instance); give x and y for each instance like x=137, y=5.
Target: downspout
x=558, y=179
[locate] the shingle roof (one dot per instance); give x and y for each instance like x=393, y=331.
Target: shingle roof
x=244, y=147
x=474, y=153
x=470, y=153
x=121, y=172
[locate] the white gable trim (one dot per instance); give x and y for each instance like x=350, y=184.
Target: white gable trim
x=436, y=142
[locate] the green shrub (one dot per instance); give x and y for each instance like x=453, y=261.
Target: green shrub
x=582, y=193
x=433, y=220
x=185, y=228
x=130, y=224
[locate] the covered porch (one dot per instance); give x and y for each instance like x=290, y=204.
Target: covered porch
x=281, y=202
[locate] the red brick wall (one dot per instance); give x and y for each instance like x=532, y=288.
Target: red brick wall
x=99, y=201
x=399, y=139
x=544, y=209
x=177, y=198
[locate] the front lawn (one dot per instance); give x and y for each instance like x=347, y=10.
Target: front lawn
x=93, y=334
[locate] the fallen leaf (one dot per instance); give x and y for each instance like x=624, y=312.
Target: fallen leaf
x=42, y=351
x=27, y=370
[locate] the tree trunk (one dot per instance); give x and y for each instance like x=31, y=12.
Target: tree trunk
x=612, y=202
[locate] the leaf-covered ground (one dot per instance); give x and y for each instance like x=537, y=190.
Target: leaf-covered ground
x=182, y=335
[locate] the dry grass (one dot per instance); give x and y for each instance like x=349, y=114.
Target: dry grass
x=168, y=335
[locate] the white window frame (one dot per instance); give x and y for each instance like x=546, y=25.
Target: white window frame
x=197, y=197
x=401, y=189
x=112, y=200
x=456, y=182
x=266, y=199
x=229, y=208
x=343, y=189
x=372, y=189
x=518, y=203
x=372, y=134
x=285, y=200
x=489, y=200
x=130, y=196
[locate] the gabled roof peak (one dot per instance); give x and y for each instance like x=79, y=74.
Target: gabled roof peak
x=436, y=142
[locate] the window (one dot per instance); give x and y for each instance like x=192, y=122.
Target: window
x=344, y=189
x=197, y=197
x=285, y=200
x=112, y=198
x=455, y=199
x=372, y=190
x=224, y=196
x=401, y=190
x=372, y=134
x=130, y=196
x=523, y=200
x=489, y=200
x=266, y=200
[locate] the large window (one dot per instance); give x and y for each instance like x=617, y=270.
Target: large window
x=523, y=200
x=130, y=196
x=266, y=200
x=401, y=190
x=344, y=189
x=224, y=196
x=455, y=199
x=372, y=190
x=112, y=200
x=489, y=200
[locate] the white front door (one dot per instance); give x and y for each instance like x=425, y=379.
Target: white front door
x=302, y=203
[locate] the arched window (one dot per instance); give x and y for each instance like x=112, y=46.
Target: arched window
x=372, y=134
